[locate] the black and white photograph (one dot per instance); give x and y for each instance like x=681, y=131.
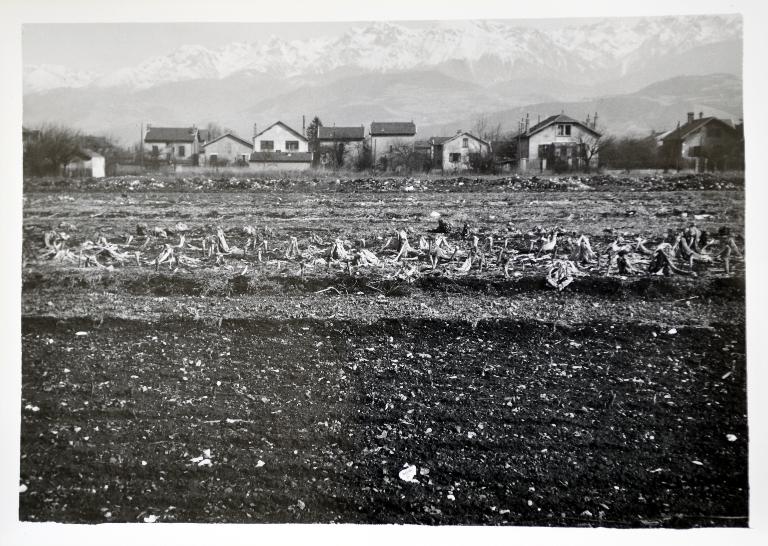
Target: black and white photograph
x=428, y=269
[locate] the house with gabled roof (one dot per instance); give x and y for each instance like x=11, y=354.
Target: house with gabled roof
x=387, y=137
x=228, y=149
x=280, y=138
x=180, y=145
x=557, y=142
x=458, y=152
x=279, y=147
x=702, y=143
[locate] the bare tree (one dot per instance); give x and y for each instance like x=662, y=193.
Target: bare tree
x=214, y=130
x=54, y=147
x=405, y=157
x=485, y=129
x=590, y=146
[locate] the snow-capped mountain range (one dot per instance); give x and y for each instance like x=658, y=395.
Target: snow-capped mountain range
x=484, y=52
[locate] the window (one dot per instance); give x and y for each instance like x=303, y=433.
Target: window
x=454, y=158
x=155, y=150
x=291, y=145
x=563, y=129
x=214, y=159
x=267, y=145
x=228, y=147
x=182, y=151
x=391, y=148
x=465, y=143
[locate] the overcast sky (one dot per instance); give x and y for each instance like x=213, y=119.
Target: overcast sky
x=102, y=46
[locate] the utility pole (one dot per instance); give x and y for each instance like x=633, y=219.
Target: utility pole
x=141, y=145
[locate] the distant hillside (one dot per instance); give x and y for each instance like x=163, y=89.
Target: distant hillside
x=657, y=107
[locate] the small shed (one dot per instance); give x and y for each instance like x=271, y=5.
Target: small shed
x=87, y=163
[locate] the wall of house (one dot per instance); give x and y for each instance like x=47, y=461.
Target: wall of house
x=260, y=166
x=98, y=167
x=172, y=148
x=227, y=149
x=690, y=142
x=352, y=151
x=456, y=146
x=381, y=145
x=706, y=136
x=550, y=136
x=278, y=135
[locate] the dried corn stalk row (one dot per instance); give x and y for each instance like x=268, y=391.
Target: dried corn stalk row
x=397, y=257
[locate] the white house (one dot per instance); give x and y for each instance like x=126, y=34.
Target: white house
x=279, y=138
x=456, y=153
x=172, y=144
x=228, y=149
x=558, y=140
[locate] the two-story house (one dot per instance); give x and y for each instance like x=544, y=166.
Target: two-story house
x=458, y=152
x=702, y=143
x=279, y=138
x=340, y=146
x=386, y=137
x=179, y=145
x=280, y=147
x=558, y=141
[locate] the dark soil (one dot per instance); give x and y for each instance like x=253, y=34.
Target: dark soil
x=507, y=422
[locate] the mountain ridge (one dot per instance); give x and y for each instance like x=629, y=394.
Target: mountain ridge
x=492, y=50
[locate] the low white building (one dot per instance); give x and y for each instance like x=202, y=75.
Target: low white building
x=283, y=161
x=457, y=152
x=87, y=163
x=228, y=149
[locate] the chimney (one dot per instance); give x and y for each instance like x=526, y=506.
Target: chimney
x=701, y=115
x=527, y=122
x=149, y=126
x=255, y=130
x=303, y=124
x=690, y=117
x=594, y=122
